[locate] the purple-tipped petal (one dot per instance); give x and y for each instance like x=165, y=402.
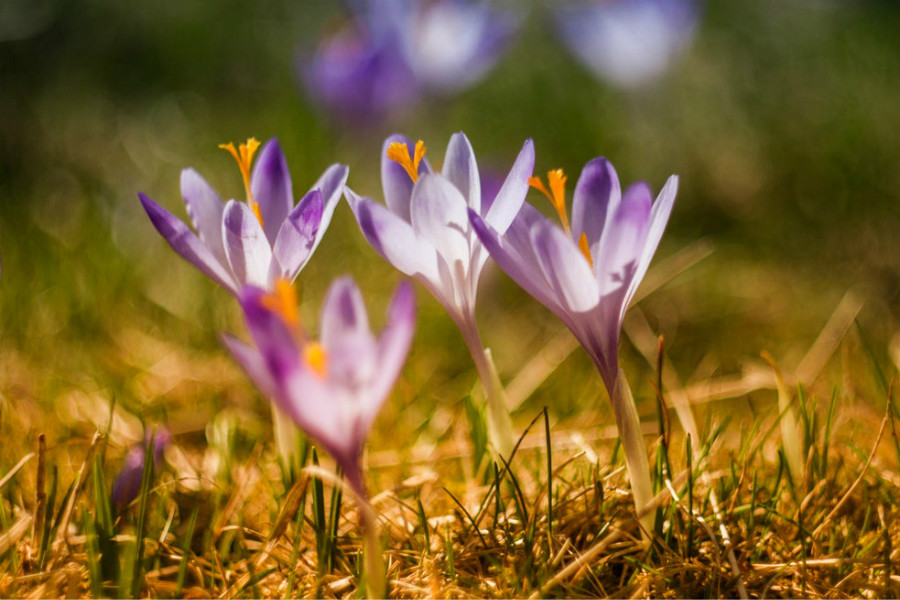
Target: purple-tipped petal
x=246, y=246
x=346, y=337
x=565, y=268
x=659, y=217
x=461, y=169
x=275, y=342
x=205, y=208
x=297, y=237
x=186, y=243
x=597, y=195
x=521, y=267
x=512, y=194
x=394, y=239
x=253, y=364
x=395, y=181
x=623, y=241
x=438, y=214
x=270, y=184
x=392, y=347
x=331, y=184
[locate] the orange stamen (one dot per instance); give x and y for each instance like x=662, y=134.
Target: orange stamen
x=244, y=157
x=585, y=249
x=556, y=194
x=283, y=301
x=316, y=358
x=399, y=153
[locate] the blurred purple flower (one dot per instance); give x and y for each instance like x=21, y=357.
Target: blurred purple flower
x=127, y=485
x=424, y=231
x=359, y=74
x=332, y=390
x=448, y=44
x=627, y=42
x=256, y=242
x=388, y=53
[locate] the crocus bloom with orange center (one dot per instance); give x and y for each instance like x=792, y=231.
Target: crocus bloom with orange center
x=257, y=242
x=424, y=232
x=587, y=275
x=333, y=388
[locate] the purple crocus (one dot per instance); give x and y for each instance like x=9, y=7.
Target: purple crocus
x=588, y=271
x=332, y=389
x=359, y=73
x=627, y=42
x=448, y=44
x=424, y=231
x=256, y=242
x=127, y=485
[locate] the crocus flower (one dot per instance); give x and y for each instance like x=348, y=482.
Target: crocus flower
x=332, y=389
x=627, y=42
x=127, y=485
x=359, y=74
x=587, y=272
x=424, y=232
x=448, y=44
x=256, y=242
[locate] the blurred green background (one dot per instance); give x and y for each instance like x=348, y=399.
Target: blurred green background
x=782, y=120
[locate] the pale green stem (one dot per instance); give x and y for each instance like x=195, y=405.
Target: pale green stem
x=368, y=524
x=628, y=423
x=500, y=428
x=287, y=438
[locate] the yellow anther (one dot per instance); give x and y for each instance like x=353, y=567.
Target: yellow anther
x=556, y=194
x=283, y=301
x=316, y=358
x=399, y=153
x=585, y=249
x=244, y=157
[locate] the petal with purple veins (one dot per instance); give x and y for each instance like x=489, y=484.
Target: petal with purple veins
x=297, y=237
x=246, y=246
x=623, y=240
x=204, y=207
x=438, y=214
x=565, y=268
x=394, y=239
x=186, y=243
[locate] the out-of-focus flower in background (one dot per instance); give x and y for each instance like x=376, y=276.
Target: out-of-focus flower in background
x=424, y=232
x=127, y=485
x=257, y=242
x=628, y=43
x=358, y=73
x=388, y=54
x=587, y=272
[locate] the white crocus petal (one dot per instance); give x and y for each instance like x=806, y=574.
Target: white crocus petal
x=659, y=217
x=394, y=239
x=205, y=208
x=331, y=184
x=512, y=194
x=623, y=240
x=566, y=269
x=438, y=213
x=296, y=238
x=461, y=169
x=246, y=246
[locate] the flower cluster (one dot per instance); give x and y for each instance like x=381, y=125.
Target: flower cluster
x=388, y=54
x=440, y=228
